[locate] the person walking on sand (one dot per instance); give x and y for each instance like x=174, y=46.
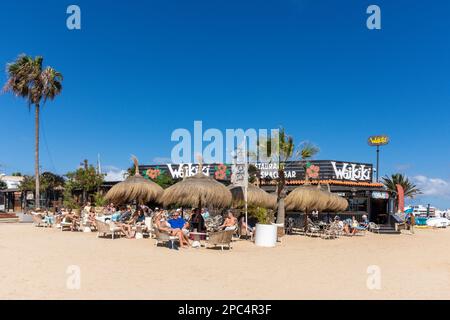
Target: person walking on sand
x=410, y=222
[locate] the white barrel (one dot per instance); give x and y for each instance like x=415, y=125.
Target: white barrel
x=266, y=235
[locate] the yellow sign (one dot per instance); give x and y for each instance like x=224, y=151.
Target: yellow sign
x=378, y=140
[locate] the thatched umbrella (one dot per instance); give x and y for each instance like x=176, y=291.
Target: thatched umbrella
x=196, y=191
x=255, y=197
x=134, y=188
x=306, y=198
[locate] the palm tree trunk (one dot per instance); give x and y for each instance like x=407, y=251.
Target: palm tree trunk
x=36, y=156
x=281, y=214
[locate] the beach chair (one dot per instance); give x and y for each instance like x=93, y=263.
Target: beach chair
x=331, y=231
x=220, y=239
x=374, y=227
x=38, y=220
x=149, y=227
x=65, y=224
x=164, y=238
x=312, y=229
x=104, y=229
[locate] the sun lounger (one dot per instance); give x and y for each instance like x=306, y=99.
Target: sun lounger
x=220, y=239
x=65, y=224
x=312, y=229
x=104, y=229
x=162, y=237
x=374, y=227
x=38, y=220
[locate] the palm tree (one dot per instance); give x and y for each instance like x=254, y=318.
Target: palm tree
x=409, y=188
x=29, y=80
x=286, y=150
x=285, y=153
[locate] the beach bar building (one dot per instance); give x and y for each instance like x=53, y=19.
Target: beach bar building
x=351, y=180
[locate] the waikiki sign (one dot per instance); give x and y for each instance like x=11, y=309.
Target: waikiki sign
x=352, y=171
x=178, y=171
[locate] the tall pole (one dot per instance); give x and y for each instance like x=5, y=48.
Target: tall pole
x=378, y=162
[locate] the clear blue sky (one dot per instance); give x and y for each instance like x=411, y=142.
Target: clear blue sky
x=137, y=70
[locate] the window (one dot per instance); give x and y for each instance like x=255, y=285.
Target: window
x=357, y=204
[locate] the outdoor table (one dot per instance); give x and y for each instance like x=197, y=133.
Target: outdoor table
x=197, y=236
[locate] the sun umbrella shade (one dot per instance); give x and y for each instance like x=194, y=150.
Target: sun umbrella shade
x=255, y=197
x=134, y=188
x=197, y=191
x=308, y=198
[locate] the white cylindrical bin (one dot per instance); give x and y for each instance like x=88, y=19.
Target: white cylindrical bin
x=266, y=235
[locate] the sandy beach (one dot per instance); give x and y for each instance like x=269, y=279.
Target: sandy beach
x=34, y=263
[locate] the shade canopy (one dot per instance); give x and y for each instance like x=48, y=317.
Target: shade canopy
x=335, y=203
x=308, y=198
x=256, y=197
x=134, y=188
x=197, y=191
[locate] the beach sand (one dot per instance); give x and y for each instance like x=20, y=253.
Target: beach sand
x=34, y=263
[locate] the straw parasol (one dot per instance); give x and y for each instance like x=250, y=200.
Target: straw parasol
x=255, y=196
x=134, y=188
x=335, y=203
x=196, y=191
x=306, y=198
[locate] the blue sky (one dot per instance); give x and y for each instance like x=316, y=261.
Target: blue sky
x=137, y=70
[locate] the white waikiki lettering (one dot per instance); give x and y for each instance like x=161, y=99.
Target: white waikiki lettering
x=177, y=171
x=353, y=171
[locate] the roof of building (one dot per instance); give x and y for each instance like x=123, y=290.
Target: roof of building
x=331, y=182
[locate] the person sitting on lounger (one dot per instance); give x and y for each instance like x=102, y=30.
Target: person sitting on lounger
x=196, y=221
x=91, y=218
x=127, y=226
x=49, y=217
x=71, y=217
x=365, y=221
x=177, y=222
x=250, y=227
x=163, y=226
x=230, y=222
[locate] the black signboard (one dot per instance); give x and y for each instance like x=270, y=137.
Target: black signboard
x=294, y=170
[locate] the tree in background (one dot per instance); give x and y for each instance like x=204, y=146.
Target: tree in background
x=164, y=180
x=50, y=184
x=85, y=179
x=48, y=181
x=3, y=185
x=409, y=188
x=286, y=152
x=29, y=80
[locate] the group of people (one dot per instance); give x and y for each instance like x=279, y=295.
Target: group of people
x=179, y=222
x=352, y=226
x=182, y=224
